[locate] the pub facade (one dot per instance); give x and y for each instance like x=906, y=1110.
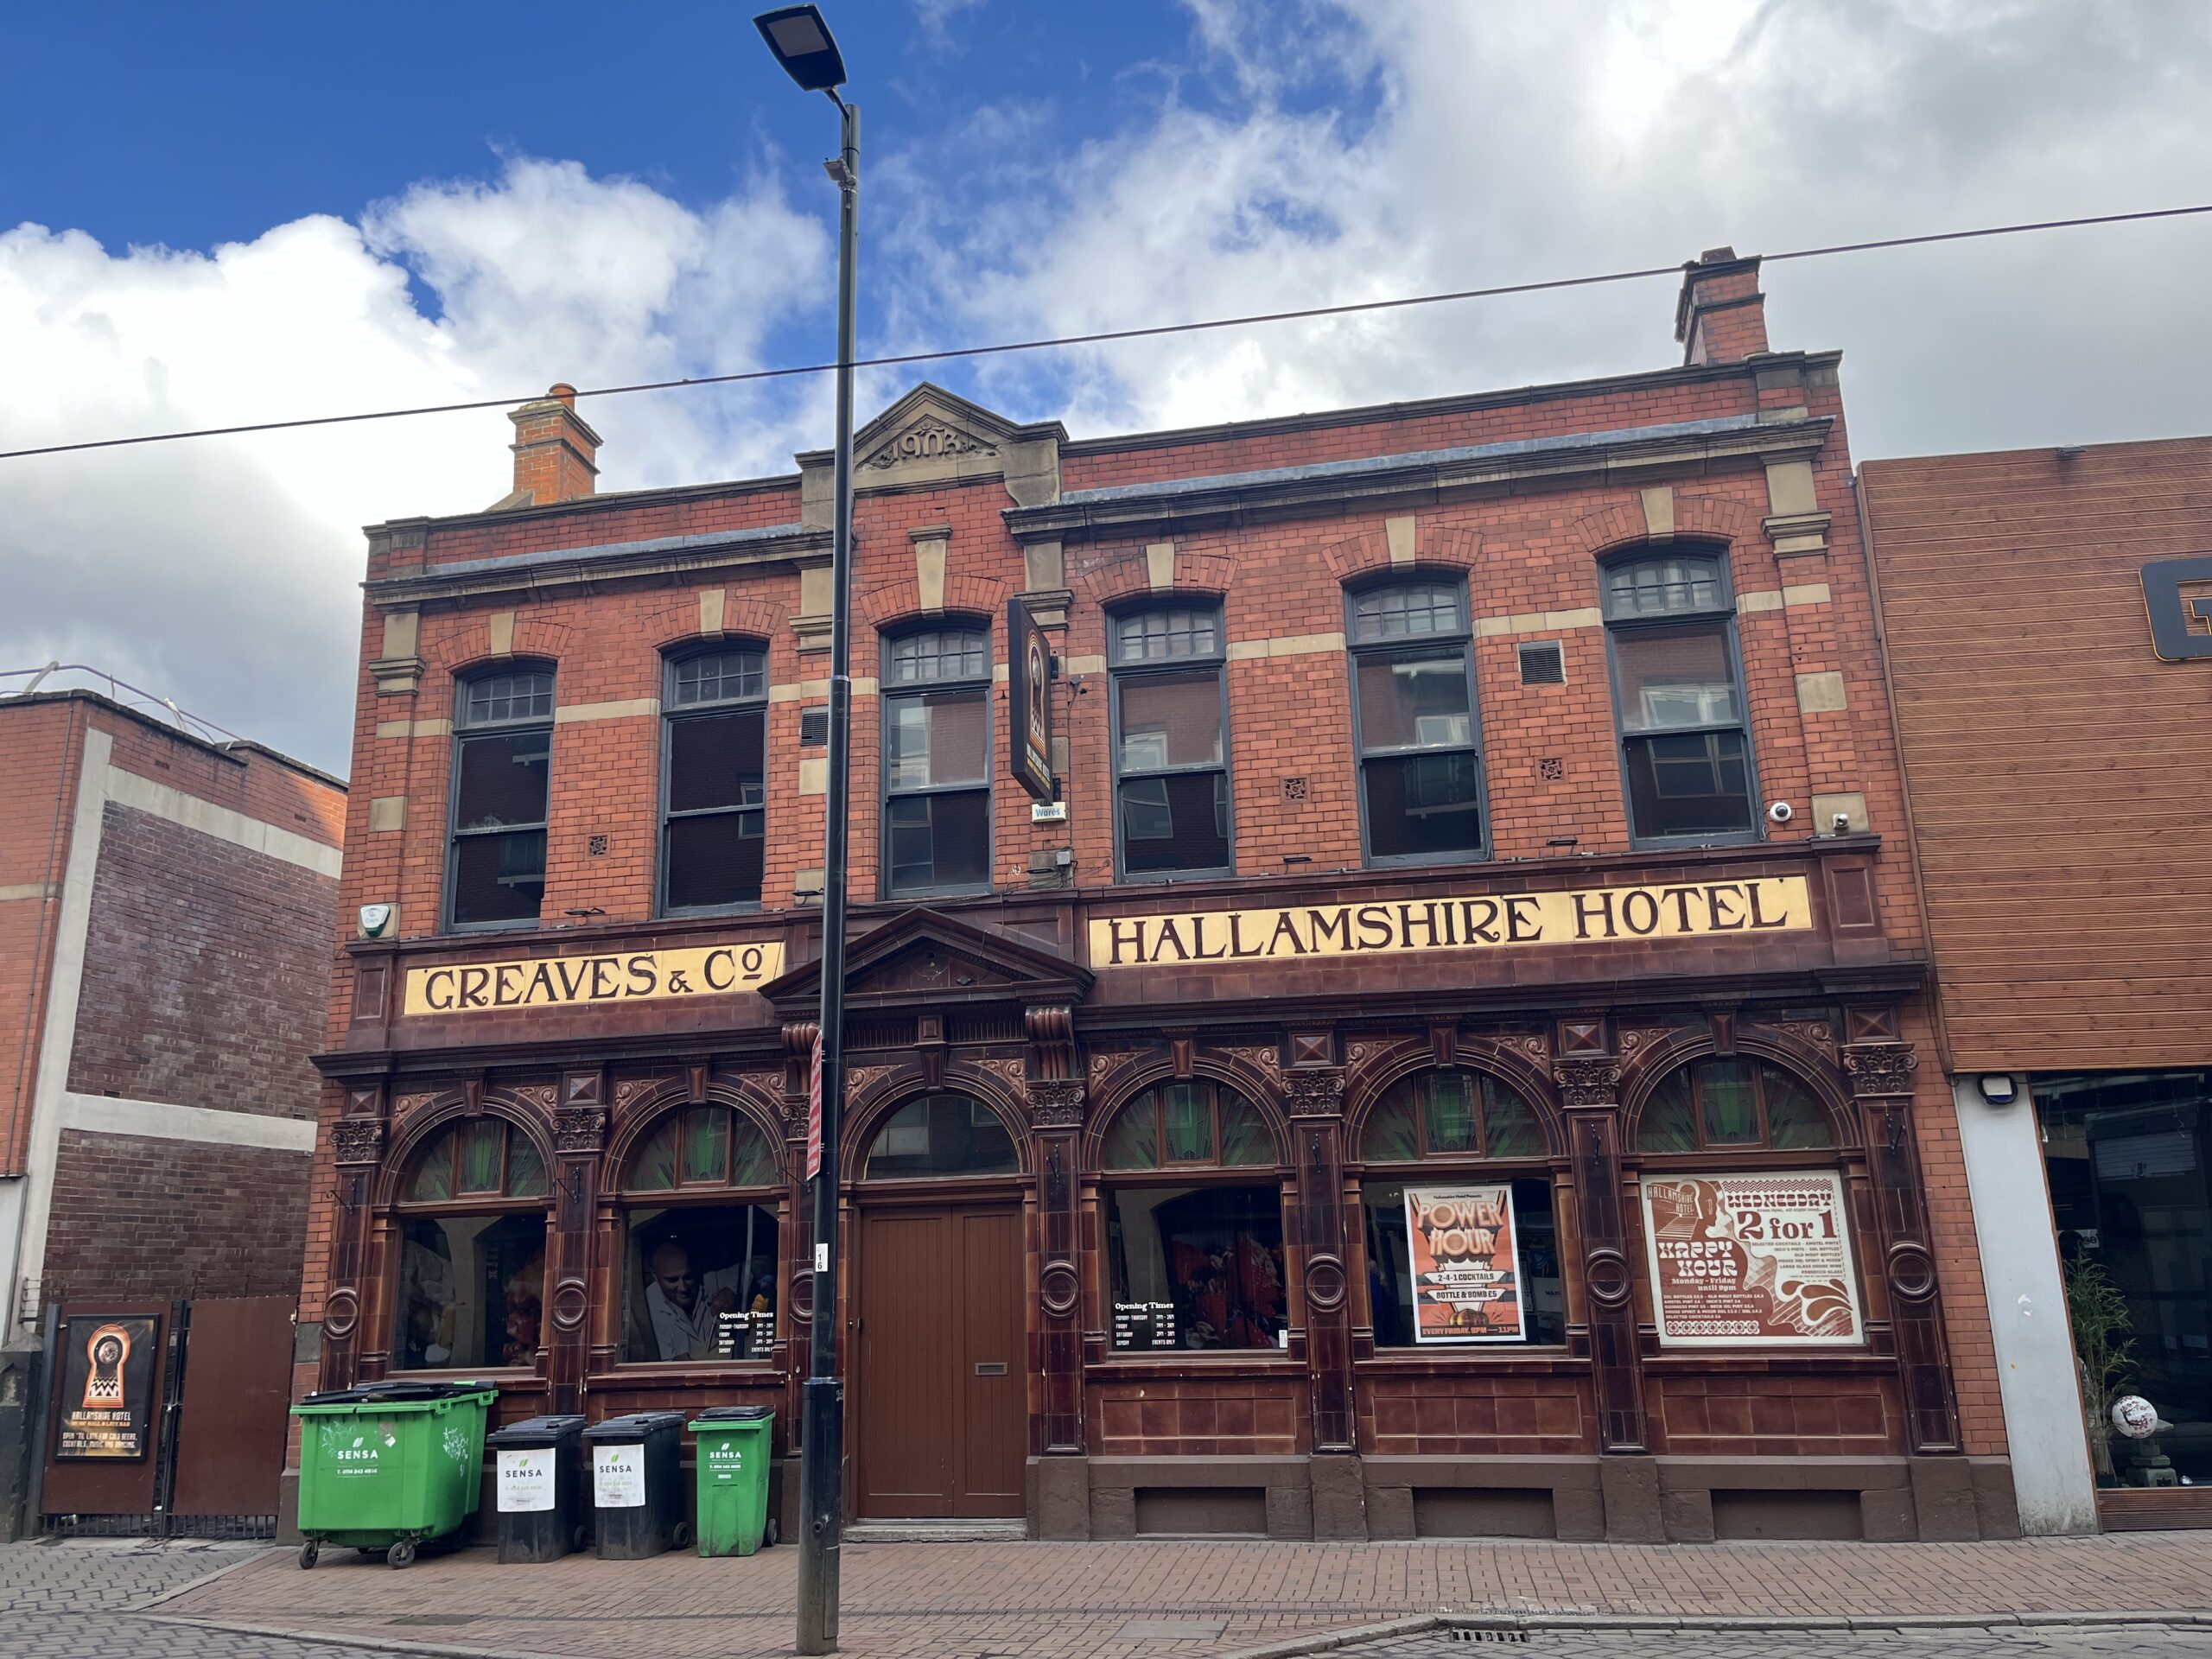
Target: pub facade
x=1384, y=986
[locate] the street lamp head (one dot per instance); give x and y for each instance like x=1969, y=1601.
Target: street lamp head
x=803, y=44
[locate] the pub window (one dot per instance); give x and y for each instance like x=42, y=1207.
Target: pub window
x=1490, y=1269
x=1726, y=1105
x=472, y=1250
x=1193, y=1244
x=941, y=1137
x=1414, y=706
x=700, y=1197
x=937, y=761
x=1171, y=770
x=502, y=769
x=1685, y=746
x=714, y=779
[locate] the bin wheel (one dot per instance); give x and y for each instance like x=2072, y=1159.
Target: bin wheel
x=682, y=1534
x=774, y=1535
x=582, y=1539
x=402, y=1553
x=310, y=1552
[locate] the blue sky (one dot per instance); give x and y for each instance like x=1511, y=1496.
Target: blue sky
x=231, y=212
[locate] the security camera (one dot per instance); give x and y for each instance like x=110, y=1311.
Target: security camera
x=1781, y=811
x=1841, y=823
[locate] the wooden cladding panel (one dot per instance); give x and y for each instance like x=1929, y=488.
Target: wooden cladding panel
x=2058, y=769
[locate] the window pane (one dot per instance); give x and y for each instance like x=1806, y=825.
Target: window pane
x=1245, y=1138
x=1175, y=823
x=502, y=780
x=481, y=1143
x=526, y=1169
x=1669, y=1121
x=1659, y=587
x=1794, y=1119
x=433, y=1177
x=1161, y=636
x=940, y=1135
x=721, y=676
x=940, y=840
x=1390, y=1135
x=1187, y=1113
x=715, y=860
x=1673, y=677
x=526, y=695
x=1171, y=720
x=1133, y=1140
x=706, y=1140
x=1448, y=1107
x=716, y=760
x=1390, y=1270
x=943, y=654
x=1195, y=1267
x=1731, y=1113
x=1414, y=703
x=753, y=1161
x=1406, y=611
x=471, y=1291
x=942, y=737
x=699, y=1282
x=1509, y=1125
x=652, y=1168
x=1695, y=783
x=1423, y=806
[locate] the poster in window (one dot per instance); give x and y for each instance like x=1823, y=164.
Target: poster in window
x=1465, y=1263
x=1029, y=701
x=1751, y=1261
x=105, y=1406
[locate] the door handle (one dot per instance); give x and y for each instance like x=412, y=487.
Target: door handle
x=990, y=1368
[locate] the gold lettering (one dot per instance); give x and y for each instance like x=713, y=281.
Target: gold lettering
x=1485, y=930
x=1135, y=939
x=430, y=981
x=1716, y=895
x=1374, y=921
x=707, y=969
x=1585, y=903
x=541, y=975
x=1288, y=924
x=1198, y=940
x=1759, y=918
x=1524, y=907
x=645, y=978
x=1640, y=902
x=1169, y=936
x=503, y=977
x=1237, y=937
x=1329, y=925
x=472, y=981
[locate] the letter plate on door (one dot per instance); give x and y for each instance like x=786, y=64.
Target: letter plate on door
x=990, y=1368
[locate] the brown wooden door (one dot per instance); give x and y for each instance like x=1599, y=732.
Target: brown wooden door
x=943, y=1362
x=230, y=1430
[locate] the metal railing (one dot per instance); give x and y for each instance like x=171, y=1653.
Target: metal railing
x=138, y=698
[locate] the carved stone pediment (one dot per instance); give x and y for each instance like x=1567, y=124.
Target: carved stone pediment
x=923, y=958
x=934, y=437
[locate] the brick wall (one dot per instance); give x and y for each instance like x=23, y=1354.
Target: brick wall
x=40, y=751
x=139, y=1218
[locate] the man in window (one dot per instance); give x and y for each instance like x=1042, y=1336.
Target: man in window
x=679, y=1311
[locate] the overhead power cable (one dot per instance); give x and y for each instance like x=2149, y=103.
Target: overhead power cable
x=1105, y=336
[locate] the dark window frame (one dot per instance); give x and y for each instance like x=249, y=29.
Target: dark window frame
x=891, y=692
x=466, y=729
x=1121, y=671
x=1722, y=616
x=1411, y=647
x=670, y=715
x=1425, y=1158
x=460, y=1206
x=1762, y=1150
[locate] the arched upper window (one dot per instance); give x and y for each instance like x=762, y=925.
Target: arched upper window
x=702, y=1193
x=940, y=1137
x=710, y=1146
x=714, y=779
x=1414, y=708
x=502, y=779
x=1726, y=1104
x=1685, y=741
x=472, y=1250
x=1171, y=749
x=937, y=761
x=1451, y=1115
x=1194, y=1122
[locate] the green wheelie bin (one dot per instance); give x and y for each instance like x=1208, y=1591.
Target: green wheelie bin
x=734, y=1443
x=387, y=1465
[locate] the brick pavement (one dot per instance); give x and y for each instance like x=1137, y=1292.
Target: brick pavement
x=1107, y=1601
x=2123, y=1641
x=80, y=1575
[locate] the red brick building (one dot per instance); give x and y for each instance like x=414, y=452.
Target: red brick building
x=166, y=904
x=1443, y=1064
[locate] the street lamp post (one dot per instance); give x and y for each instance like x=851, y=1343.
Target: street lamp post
x=803, y=44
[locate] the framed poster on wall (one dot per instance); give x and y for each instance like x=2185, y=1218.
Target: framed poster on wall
x=1464, y=1254
x=104, y=1409
x=1751, y=1261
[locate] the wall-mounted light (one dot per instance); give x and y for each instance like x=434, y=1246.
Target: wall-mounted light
x=1998, y=1088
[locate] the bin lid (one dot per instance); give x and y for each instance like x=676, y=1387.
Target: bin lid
x=536, y=1431
x=734, y=1413
x=635, y=1427
x=365, y=1393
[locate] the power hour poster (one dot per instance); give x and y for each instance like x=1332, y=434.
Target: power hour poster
x=1465, y=1263
x=105, y=1405
x=1751, y=1261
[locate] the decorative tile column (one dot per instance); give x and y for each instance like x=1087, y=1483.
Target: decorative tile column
x=1313, y=1099
x=356, y=1144
x=579, y=1133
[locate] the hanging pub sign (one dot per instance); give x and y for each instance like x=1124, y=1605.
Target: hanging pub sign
x=1029, y=701
x=1463, y=1249
x=1751, y=1261
x=105, y=1406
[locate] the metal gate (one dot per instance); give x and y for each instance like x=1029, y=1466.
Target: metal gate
x=184, y=1441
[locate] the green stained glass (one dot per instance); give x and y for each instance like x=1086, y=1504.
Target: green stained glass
x=706, y=1140
x=1510, y=1128
x=1795, y=1120
x=653, y=1167
x=433, y=1178
x=1669, y=1120
x=481, y=1143
x=1449, y=1108
x=1188, y=1118
x=751, y=1160
x=1133, y=1141
x=1730, y=1110
x=1390, y=1136
x=1245, y=1138
x=526, y=1169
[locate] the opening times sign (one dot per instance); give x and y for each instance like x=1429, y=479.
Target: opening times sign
x=1751, y=1261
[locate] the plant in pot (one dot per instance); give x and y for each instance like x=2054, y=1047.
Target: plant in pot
x=2098, y=1312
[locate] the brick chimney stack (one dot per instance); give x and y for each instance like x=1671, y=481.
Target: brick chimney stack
x=556, y=454
x=1722, y=316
